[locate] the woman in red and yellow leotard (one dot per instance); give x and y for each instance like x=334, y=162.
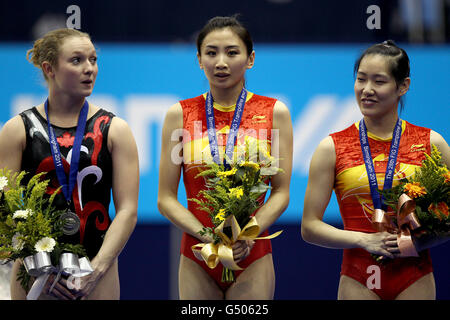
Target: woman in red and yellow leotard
x=225, y=52
x=382, y=79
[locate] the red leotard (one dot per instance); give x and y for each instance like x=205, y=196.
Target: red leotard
x=356, y=207
x=256, y=123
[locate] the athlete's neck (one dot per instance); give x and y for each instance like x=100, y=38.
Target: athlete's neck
x=382, y=127
x=63, y=110
x=226, y=97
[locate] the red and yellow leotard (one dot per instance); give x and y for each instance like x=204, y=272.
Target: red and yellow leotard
x=356, y=207
x=256, y=123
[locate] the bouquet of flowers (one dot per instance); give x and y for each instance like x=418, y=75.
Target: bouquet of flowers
x=30, y=226
x=233, y=194
x=422, y=205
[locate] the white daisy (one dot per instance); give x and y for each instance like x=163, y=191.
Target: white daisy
x=17, y=243
x=45, y=244
x=22, y=214
x=3, y=182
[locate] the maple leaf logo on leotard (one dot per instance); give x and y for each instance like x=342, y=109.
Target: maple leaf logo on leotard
x=66, y=140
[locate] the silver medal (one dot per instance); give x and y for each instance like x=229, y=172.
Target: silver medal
x=70, y=223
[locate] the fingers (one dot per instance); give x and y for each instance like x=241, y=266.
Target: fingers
x=62, y=293
x=386, y=253
x=58, y=289
x=243, y=243
x=240, y=253
x=389, y=245
x=241, y=249
x=84, y=287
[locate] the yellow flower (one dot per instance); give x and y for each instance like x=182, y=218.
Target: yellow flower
x=221, y=215
x=237, y=192
x=226, y=173
x=249, y=140
x=414, y=190
x=250, y=164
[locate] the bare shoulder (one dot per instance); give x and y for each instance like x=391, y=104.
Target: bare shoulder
x=281, y=111
x=174, y=117
x=119, y=132
x=14, y=130
x=14, y=123
x=325, y=153
x=12, y=143
x=175, y=109
x=326, y=145
x=118, y=124
x=437, y=139
x=281, y=115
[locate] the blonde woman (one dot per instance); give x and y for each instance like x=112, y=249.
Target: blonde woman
x=107, y=160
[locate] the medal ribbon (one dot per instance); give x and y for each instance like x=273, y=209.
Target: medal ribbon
x=67, y=187
x=406, y=219
x=392, y=160
x=235, y=123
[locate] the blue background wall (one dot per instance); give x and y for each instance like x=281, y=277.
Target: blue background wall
x=140, y=81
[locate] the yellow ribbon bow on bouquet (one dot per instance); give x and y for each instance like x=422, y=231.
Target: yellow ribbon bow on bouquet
x=222, y=252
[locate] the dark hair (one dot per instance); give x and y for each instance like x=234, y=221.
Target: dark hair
x=226, y=22
x=398, y=61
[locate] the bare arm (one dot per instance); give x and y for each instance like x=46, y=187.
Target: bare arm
x=317, y=197
x=279, y=195
x=12, y=144
x=169, y=176
x=125, y=189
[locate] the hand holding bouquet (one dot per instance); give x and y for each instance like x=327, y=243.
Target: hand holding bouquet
x=422, y=206
x=31, y=227
x=233, y=194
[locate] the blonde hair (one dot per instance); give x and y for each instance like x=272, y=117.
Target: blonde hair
x=47, y=47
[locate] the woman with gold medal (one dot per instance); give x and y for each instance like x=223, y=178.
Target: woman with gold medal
x=225, y=53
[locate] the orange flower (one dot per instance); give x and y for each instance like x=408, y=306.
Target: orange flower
x=414, y=190
x=447, y=176
x=439, y=209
